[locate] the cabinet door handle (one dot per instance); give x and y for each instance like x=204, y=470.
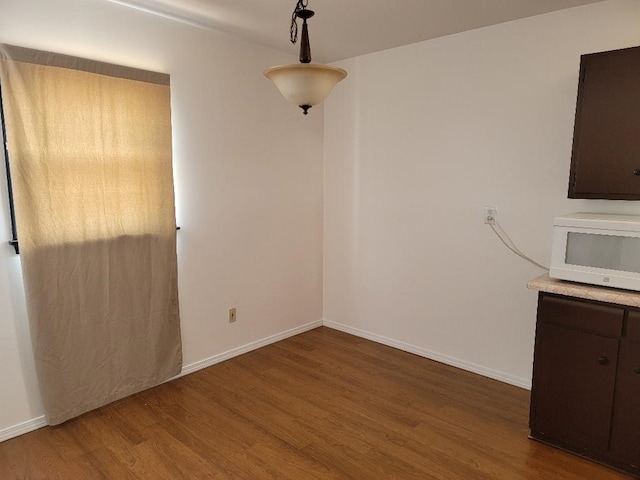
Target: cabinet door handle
x=637, y=370
x=636, y=171
x=603, y=360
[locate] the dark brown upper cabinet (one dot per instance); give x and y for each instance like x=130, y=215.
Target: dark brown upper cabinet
x=605, y=159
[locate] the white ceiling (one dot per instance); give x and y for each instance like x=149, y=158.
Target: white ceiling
x=348, y=28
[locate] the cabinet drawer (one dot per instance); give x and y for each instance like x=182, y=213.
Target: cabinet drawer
x=633, y=326
x=590, y=317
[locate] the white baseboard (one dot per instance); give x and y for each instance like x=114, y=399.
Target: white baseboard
x=221, y=357
x=39, y=422
x=22, y=428
x=438, y=357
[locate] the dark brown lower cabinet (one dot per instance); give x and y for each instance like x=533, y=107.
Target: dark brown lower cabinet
x=625, y=433
x=585, y=396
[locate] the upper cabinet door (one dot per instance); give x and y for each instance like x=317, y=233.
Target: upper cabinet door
x=605, y=160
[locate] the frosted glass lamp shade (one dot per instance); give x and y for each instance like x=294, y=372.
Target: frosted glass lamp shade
x=305, y=84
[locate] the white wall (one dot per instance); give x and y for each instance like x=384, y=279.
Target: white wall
x=418, y=140
x=248, y=171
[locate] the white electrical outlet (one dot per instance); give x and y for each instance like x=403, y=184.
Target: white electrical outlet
x=490, y=215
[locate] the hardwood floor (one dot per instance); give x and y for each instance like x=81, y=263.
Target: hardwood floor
x=321, y=405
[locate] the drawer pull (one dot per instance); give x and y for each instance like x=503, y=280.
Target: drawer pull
x=637, y=370
x=636, y=171
x=603, y=360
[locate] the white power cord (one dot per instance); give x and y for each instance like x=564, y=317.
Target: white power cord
x=502, y=235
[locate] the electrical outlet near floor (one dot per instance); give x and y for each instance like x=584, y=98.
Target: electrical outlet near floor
x=232, y=315
x=490, y=215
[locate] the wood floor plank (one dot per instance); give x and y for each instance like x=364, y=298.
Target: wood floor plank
x=321, y=405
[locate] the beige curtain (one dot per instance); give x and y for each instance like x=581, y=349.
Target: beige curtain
x=90, y=152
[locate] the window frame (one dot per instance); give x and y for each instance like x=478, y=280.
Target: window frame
x=7, y=165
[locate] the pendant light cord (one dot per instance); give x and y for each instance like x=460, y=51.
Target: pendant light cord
x=301, y=5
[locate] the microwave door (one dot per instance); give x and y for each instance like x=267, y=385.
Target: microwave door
x=609, y=252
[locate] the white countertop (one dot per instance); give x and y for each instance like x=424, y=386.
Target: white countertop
x=580, y=290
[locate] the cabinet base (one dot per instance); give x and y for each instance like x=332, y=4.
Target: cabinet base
x=588, y=455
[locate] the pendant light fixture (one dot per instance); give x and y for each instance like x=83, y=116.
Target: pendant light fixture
x=305, y=84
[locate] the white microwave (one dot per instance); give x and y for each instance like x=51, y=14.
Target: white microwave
x=600, y=249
